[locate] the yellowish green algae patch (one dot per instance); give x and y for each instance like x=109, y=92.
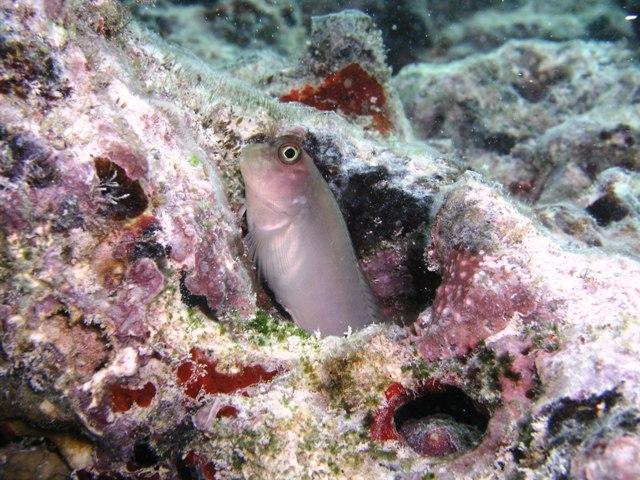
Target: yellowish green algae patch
x=265, y=329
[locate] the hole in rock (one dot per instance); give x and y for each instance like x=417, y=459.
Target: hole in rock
x=441, y=422
x=500, y=142
x=607, y=209
x=122, y=197
x=191, y=300
x=144, y=455
x=425, y=282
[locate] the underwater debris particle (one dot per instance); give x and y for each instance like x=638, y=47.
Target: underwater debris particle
x=123, y=197
x=199, y=374
x=123, y=398
x=351, y=91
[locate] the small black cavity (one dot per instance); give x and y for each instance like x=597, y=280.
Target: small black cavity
x=185, y=470
x=288, y=15
x=424, y=282
x=500, y=142
x=148, y=249
x=375, y=210
x=607, y=209
x=621, y=136
x=437, y=124
x=191, y=300
x=123, y=198
x=450, y=401
x=448, y=406
x=7, y=435
x=533, y=79
x=602, y=28
x=144, y=455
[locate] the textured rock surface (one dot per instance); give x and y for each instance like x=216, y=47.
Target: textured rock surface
x=136, y=341
x=555, y=123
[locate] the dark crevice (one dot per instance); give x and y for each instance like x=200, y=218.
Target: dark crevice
x=197, y=301
x=144, y=455
x=607, y=209
x=424, y=282
x=500, y=142
x=441, y=421
x=122, y=197
x=569, y=418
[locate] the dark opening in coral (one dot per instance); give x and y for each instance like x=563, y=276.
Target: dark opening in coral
x=607, y=209
x=192, y=466
x=441, y=422
x=144, y=455
x=500, y=142
x=568, y=419
x=7, y=434
x=191, y=300
x=425, y=282
x=375, y=211
x=123, y=198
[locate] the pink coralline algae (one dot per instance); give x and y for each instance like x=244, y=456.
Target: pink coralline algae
x=144, y=282
x=619, y=459
x=390, y=280
x=478, y=296
x=211, y=278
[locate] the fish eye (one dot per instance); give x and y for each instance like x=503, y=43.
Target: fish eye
x=288, y=153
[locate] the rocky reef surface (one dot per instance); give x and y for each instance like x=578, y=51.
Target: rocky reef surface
x=492, y=193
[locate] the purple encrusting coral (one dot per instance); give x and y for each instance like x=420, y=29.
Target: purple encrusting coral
x=131, y=345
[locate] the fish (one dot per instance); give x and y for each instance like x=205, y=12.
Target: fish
x=299, y=240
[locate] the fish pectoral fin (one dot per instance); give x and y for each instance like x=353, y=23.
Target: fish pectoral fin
x=271, y=252
x=253, y=247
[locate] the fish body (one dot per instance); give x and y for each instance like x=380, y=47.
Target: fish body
x=300, y=241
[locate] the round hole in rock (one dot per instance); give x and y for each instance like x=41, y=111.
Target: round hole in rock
x=441, y=422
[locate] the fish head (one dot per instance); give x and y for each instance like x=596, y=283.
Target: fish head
x=278, y=173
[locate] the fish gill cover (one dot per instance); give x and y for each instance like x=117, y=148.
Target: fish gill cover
x=485, y=156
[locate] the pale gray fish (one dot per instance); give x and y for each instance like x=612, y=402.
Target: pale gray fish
x=300, y=241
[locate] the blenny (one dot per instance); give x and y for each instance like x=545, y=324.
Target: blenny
x=300, y=241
